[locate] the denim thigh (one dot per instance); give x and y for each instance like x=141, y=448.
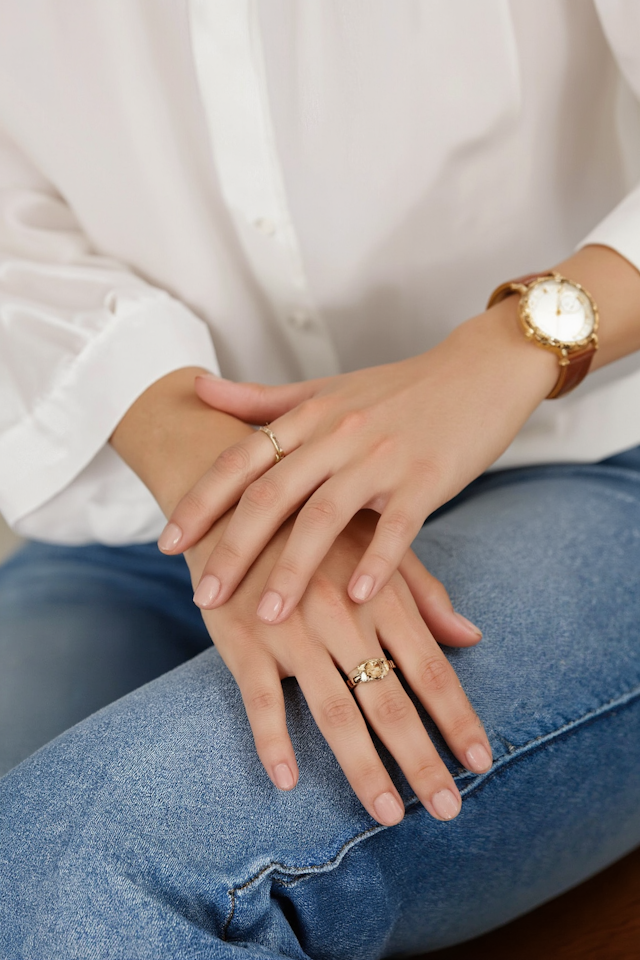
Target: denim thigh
x=82, y=626
x=150, y=829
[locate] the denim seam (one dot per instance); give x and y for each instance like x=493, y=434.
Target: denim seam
x=297, y=874
x=537, y=742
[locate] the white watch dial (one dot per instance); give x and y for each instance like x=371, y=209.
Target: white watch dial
x=560, y=310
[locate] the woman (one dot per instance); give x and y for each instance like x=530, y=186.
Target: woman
x=447, y=156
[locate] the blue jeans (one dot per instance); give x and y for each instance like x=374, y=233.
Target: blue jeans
x=150, y=830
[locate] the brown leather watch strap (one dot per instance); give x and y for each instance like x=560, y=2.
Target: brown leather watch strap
x=575, y=365
x=573, y=371
x=511, y=286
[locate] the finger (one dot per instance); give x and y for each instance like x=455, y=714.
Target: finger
x=399, y=523
x=432, y=600
x=232, y=472
x=261, y=690
x=221, y=487
x=263, y=508
x=343, y=727
x=433, y=679
x=395, y=719
x=254, y=402
x=322, y=518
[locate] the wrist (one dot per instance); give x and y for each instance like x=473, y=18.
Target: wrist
x=494, y=341
x=614, y=284
x=614, y=290
x=169, y=437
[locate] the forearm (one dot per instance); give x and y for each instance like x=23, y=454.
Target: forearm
x=169, y=437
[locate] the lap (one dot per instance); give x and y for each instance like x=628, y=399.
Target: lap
x=151, y=830
x=82, y=626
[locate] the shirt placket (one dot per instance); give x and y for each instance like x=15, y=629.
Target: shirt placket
x=227, y=47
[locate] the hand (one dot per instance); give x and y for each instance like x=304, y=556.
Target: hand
x=327, y=630
x=399, y=439
x=167, y=437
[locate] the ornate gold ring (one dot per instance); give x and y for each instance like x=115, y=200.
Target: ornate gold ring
x=375, y=669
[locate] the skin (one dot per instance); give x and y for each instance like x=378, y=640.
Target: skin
x=346, y=453
x=278, y=553
x=169, y=436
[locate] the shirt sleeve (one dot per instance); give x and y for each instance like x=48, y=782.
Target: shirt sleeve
x=620, y=229
x=81, y=337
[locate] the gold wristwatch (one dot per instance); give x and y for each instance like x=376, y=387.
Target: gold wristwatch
x=559, y=315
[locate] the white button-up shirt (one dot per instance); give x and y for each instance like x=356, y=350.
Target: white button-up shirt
x=278, y=189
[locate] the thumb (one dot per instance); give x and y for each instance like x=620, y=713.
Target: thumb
x=253, y=402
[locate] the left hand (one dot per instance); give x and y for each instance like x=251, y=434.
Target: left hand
x=400, y=439
x=324, y=640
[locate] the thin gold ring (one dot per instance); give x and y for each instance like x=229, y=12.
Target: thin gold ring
x=280, y=454
x=375, y=669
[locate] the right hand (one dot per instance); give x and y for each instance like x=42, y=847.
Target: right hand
x=329, y=631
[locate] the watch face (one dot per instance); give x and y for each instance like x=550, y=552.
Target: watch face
x=559, y=310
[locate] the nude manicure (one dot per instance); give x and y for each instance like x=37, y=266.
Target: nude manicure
x=207, y=591
x=270, y=606
x=283, y=777
x=445, y=804
x=170, y=537
x=388, y=810
x=362, y=587
x=469, y=627
x=478, y=758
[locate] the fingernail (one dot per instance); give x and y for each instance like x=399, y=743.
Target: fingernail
x=208, y=376
x=283, y=777
x=478, y=758
x=388, y=810
x=362, y=587
x=207, y=591
x=270, y=606
x=446, y=804
x=170, y=537
x=469, y=627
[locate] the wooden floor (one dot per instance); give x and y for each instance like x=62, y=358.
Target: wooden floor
x=599, y=920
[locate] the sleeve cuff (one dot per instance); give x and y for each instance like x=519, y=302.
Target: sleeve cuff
x=148, y=337
x=620, y=230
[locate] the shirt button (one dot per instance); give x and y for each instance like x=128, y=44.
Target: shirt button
x=264, y=225
x=300, y=320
